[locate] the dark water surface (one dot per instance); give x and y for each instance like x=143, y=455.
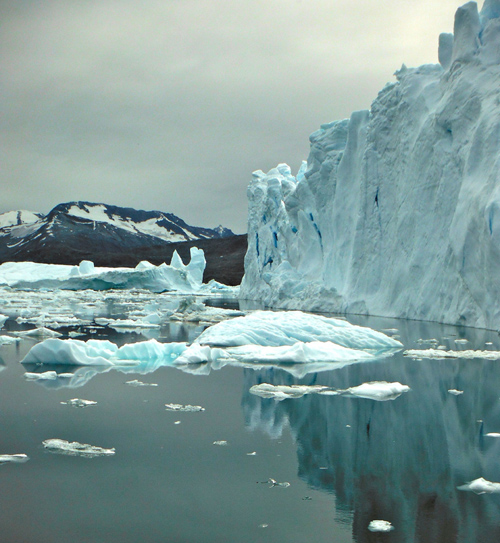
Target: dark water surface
x=348, y=460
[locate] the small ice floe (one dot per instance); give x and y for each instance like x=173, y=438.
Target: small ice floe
x=77, y=402
x=3, y=319
x=263, y=525
x=481, y=486
x=220, y=443
x=273, y=483
x=130, y=324
x=13, y=458
x=38, y=333
x=455, y=392
x=378, y=390
x=136, y=383
x=184, y=408
x=375, y=390
x=461, y=341
x=254, y=453
x=177, y=422
x=8, y=340
x=437, y=354
x=283, y=392
x=44, y=376
x=390, y=330
x=380, y=526
x=61, y=446
x=493, y=434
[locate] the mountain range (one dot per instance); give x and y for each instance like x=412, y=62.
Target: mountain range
x=112, y=236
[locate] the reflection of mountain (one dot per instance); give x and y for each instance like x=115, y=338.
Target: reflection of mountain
x=399, y=460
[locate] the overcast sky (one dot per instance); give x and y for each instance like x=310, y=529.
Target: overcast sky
x=171, y=104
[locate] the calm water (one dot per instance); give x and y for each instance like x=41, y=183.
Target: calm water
x=348, y=460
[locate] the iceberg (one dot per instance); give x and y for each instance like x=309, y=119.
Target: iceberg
x=98, y=352
x=272, y=329
x=396, y=212
x=174, y=277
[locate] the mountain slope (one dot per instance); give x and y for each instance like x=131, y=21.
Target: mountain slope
x=114, y=236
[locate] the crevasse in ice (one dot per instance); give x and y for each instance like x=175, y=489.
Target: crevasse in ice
x=397, y=211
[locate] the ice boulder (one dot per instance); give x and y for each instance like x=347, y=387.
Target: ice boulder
x=397, y=211
x=174, y=277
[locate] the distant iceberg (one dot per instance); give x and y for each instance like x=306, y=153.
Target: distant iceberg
x=397, y=210
x=173, y=277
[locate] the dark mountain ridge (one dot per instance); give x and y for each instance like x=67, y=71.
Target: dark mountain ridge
x=117, y=236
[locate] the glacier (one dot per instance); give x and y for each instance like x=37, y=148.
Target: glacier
x=176, y=276
x=396, y=212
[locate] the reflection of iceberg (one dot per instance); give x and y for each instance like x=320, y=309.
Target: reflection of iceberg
x=401, y=460
x=176, y=276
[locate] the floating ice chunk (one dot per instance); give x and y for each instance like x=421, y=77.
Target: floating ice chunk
x=176, y=277
x=481, y=486
x=184, y=408
x=41, y=332
x=136, y=383
x=268, y=328
x=7, y=340
x=197, y=354
x=77, y=402
x=378, y=390
x=61, y=446
x=221, y=443
x=3, y=319
x=45, y=376
x=455, y=392
x=493, y=434
x=283, y=392
x=254, y=453
x=127, y=323
x=461, y=341
x=96, y=352
x=273, y=483
x=72, y=351
x=13, y=458
x=380, y=526
x=437, y=354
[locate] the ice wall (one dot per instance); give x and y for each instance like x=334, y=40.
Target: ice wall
x=397, y=210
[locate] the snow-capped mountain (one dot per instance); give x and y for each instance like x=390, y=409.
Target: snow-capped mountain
x=85, y=229
x=397, y=211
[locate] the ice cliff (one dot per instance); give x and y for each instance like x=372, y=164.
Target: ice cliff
x=397, y=210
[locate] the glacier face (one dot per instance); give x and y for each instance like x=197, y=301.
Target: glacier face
x=397, y=210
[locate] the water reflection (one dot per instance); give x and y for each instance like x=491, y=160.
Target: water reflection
x=400, y=460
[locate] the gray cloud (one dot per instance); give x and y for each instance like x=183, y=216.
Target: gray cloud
x=171, y=105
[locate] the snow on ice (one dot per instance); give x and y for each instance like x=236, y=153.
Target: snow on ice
x=174, y=277
x=396, y=212
x=61, y=446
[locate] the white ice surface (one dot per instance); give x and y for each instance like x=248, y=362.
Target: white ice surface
x=268, y=328
x=379, y=391
x=441, y=354
x=74, y=448
x=481, y=486
x=174, y=277
x=96, y=352
x=380, y=526
x=397, y=211
x=3, y=318
x=13, y=458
